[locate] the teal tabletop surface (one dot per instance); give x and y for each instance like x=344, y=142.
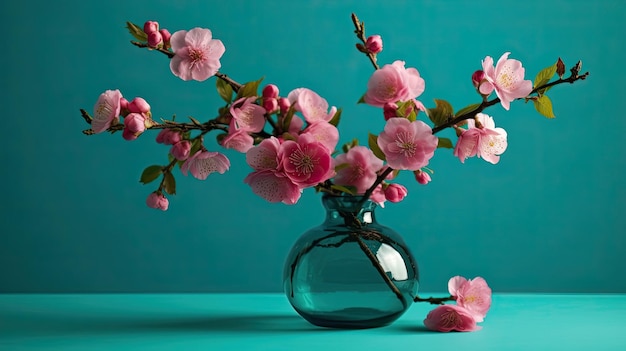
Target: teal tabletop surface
x=267, y=322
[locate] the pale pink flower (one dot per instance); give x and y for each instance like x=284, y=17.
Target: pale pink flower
x=265, y=155
x=393, y=83
x=446, y=318
x=134, y=125
x=295, y=127
x=203, y=163
x=238, y=139
x=306, y=162
x=247, y=115
x=313, y=107
x=106, y=110
x=485, y=141
x=474, y=295
x=158, y=201
x=395, y=192
x=197, y=54
x=407, y=145
x=507, y=79
x=374, y=44
x=325, y=133
x=273, y=186
x=181, y=150
x=361, y=170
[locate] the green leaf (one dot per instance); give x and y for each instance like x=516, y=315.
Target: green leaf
x=445, y=143
x=407, y=110
x=372, y=141
x=341, y=166
x=225, y=90
x=150, y=174
x=136, y=31
x=361, y=100
x=345, y=189
x=441, y=113
x=195, y=146
x=543, y=105
x=347, y=146
x=195, y=121
x=288, y=117
x=169, y=184
x=545, y=75
x=249, y=89
x=336, y=118
x=466, y=109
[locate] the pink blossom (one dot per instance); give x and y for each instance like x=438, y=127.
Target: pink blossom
x=165, y=34
x=390, y=110
x=422, y=177
x=393, y=83
x=181, y=150
x=507, y=79
x=360, y=170
x=270, y=104
x=273, y=186
x=158, y=201
x=407, y=145
x=306, y=162
x=313, y=107
x=134, y=125
x=155, y=39
x=374, y=44
x=378, y=195
x=325, y=133
x=485, y=141
x=446, y=318
x=168, y=137
x=395, y=192
x=265, y=155
x=106, y=110
x=238, y=139
x=197, y=54
x=247, y=115
x=203, y=163
x=474, y=295
x=295, y=127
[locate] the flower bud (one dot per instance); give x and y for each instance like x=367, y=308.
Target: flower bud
x=165, y=34
x=123, y=103
x=158, y=201
x=374, y=44
x=284, y=105
x=270, y=91
x=134, y=125
x=138, y=105
x=181, y=150
x=155, y=39
x=150, y=27
x=477, y=78
x=270, y=104
x=422, y=177
x=168, y=137
x=395, y=192
x=390, y=110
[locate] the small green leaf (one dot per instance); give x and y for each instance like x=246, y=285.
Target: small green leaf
x=169, y=184
x=195, y=146
x=445, y=143
x=136, y=31
x=341, y=166
x=249, y=89
x=545, y=75
x=150, y=174
x=336, y=118
x=372, y=141
x=543, y=105
x=361, y=100
x=347, y=146
x=224, y=89
x=441, y=113
x=195, y=121
x=349, y=190
x=466, y=110
x=288, y=117
x=407, y=110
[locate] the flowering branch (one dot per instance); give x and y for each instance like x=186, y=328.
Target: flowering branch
x=363, y=46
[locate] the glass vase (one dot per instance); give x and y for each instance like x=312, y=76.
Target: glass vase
x=350, y=271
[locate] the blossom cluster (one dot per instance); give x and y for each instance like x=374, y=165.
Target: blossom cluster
x=473, y=300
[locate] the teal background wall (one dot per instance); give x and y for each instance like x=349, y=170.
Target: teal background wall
x=550, y=217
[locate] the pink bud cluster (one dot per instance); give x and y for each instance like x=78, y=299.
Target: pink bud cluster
x=473, y=300
x=111, y=105
x=157, y=38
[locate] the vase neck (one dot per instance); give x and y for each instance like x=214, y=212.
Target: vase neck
x=348, y=210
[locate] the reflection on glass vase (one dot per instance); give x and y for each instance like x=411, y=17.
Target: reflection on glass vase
x=350, y=272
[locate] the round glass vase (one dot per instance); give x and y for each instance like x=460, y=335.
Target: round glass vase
x=350, y=272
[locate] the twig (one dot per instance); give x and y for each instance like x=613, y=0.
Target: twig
x=360, y=33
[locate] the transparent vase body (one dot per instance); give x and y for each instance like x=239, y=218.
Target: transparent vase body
x=350, y=272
